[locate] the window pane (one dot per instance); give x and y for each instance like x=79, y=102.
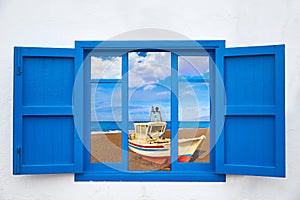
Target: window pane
x=194, y=122
x=106, y=103
x=149, y=85
x=106, y=67
x=194, y=109
x=106, y=117
x=194, y=102
x=193, y=66
x=141, y=101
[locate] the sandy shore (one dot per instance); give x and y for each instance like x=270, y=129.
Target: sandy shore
x=107, y=148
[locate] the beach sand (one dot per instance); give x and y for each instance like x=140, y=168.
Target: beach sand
x=107, y=148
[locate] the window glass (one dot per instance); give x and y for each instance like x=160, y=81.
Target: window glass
x=149, y=102
x=194, y=102
x=193, y=109
x=106, y=117
x=106, y=102
x=193, y=66
x=106, y=67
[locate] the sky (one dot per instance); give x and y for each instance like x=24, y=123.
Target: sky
x=149, y=75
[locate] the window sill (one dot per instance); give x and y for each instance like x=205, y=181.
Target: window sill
x=152, y=177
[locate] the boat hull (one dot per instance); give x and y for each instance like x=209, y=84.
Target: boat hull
x=160, y=153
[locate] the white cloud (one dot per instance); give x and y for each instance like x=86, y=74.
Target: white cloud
x=164, y=94
x=148, y=87
x=149, y=69
x=193, y=65
x=106, y=67
x=193, y=113
x=187, y=92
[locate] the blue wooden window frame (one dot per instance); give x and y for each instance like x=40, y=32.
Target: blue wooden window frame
x=179, y=171
x=268, y=117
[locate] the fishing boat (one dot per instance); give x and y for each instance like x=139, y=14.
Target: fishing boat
x=149, y=142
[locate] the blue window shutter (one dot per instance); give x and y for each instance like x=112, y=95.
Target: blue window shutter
x=44, y=133
x=253, y=138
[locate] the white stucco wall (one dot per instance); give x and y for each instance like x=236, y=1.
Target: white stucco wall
x=58, y=23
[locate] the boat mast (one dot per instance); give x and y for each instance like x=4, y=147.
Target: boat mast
x=154, y=110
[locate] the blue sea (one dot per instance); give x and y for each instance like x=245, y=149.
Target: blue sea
x=111, y=126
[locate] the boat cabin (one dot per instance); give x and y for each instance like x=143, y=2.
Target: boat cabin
x=149, y=130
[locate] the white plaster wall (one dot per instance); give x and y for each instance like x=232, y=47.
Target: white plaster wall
x=58, y=23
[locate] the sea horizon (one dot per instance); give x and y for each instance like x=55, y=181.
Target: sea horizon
x=100, y=126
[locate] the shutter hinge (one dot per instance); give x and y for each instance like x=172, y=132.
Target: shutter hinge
x=19, y=61
x=18, y=164
x=19, y=71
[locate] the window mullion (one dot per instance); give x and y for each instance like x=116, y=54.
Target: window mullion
x=174, y=110
x=125, y=111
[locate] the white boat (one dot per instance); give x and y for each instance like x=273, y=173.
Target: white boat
x=149, y=142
